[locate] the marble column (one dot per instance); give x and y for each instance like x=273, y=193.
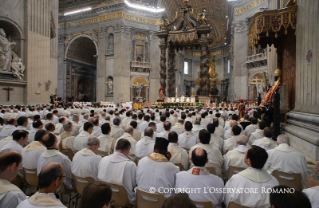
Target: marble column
x=122, y=59
x=204, y=67
x=163, y=65
x=154, y=75
x=171, y=72
x=101, y=72
x=303, y=121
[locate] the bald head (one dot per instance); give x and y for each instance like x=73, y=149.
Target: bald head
x=242, y=140
x=49, y=175
x=283, y=139
x=232, y=123
x=129, y=129
x=199, y=157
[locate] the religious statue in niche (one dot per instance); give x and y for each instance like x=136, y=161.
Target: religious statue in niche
x=109, y=85
x=111, y=43
x=9, y=60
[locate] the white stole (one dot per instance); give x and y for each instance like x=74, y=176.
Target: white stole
x=259, y=176
x=44, y=200
x=6, y=186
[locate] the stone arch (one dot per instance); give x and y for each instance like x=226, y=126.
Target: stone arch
x=13, y=23
x=77, y=38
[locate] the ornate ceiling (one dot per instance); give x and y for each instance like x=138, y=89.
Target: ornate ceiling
x=216, y=11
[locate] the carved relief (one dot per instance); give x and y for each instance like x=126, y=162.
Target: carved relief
x=9, y=60
x=241, y=26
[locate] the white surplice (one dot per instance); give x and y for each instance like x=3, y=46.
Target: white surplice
x=179, y=155
x=143, y=126
x=265, y=142
x=199, y=179
x=249, y=178
x=133, y=142
x=216, y=141
x=163, y=134
x=58, y=129
x=144, y=147
x=215, y=158
x=219, y=132
x=116, y=132
x=54, y=155
x=313, y=194
x=32, y=133
x=119, y=169
x=81, y=140
x=96, y=131
x=137, y=135
x=160, y=127
x=10, y=195
x=42, y=200
x=286, y=159
x=187, y=140
x=258, y=134
x=229, y=144
x=155, y=171
x=228, y=134
x=13, y=145
x=6, y=131
x=178, y=128
x=195, y=130
x=250, y=129
x=31, y=154
x=67, y=140
x=85, y=163
x=106, y=143
x=5, y=141
x=235, y=157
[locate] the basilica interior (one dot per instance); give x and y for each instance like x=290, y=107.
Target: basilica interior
x=125, y=50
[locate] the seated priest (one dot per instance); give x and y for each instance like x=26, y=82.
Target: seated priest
x=258, y=133
x=52, y=154
x=119, y=169
x=253, y=178
x=50, y=181
x=215, y=158
x=199, y=177
x=286, y=159
x=266, y=142
x=145, y=146
x=83, y=137
x=179, y=155
x=167, y=128
x=85, y=162
x=10, y=163
x=187, y=139
x=129, y=136
x=155, y=170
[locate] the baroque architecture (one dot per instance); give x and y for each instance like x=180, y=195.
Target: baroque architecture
x=126, y=50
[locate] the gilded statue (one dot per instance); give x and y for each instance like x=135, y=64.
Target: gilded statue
x=268, y=97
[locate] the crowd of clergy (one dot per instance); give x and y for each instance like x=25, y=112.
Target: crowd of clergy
x=182, y=153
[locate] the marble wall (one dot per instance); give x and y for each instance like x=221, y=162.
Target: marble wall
x=240, y=50
x=37, y=49
x=303, y=121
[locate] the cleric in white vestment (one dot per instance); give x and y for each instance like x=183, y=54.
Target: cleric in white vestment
x=199, y=179
x=119, y=169
x=286, y=159
x=155, y=170
x=187, y=139
x=85, y=162
x=145, y=146
x=52, y=154
x=251, y=178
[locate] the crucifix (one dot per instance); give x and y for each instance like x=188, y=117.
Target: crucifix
x=8, y=89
